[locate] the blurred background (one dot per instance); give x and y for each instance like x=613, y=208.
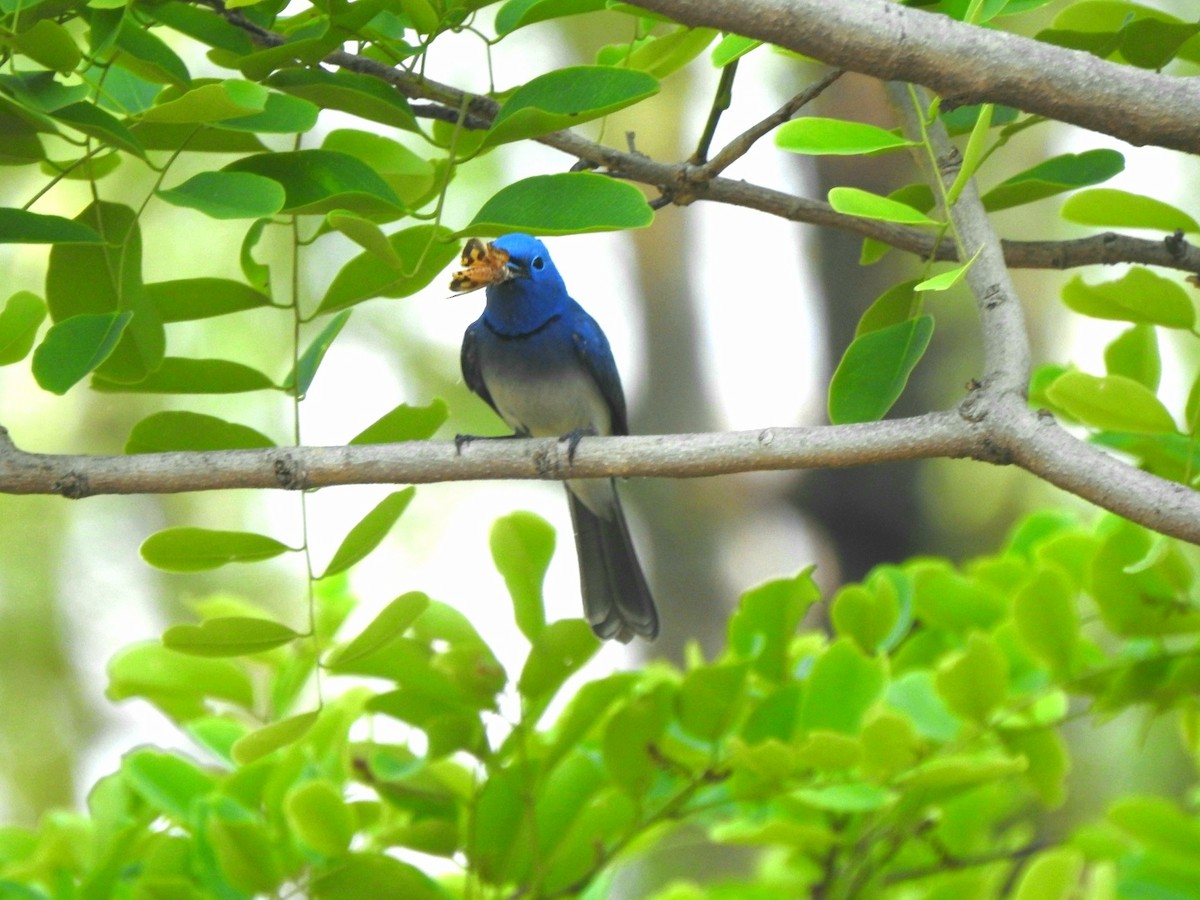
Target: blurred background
x=720, y=318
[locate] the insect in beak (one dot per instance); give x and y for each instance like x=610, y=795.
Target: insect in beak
x=482, y=264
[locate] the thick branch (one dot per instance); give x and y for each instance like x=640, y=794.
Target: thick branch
x=964, y=63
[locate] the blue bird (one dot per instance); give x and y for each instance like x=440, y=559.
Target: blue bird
x=543, y=364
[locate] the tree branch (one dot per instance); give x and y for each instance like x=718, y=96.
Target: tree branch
x=964, y=63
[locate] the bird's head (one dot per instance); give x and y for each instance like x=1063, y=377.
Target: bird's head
x=517, y=260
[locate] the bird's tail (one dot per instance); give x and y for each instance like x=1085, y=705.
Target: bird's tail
x=616, y=599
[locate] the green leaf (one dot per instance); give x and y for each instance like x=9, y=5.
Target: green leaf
x=227, y=635
x=178, y=375
x=1047, y=761
x=425, y=251
x=188, y=299
x=874, y=370
x=269, y=738
x=974, y=681
x=1046, y=620
x=1051, y=875
x=175, y=682
x=148, y=56
x=659, y=55
x=732, y=47
x=101, y=125
x=854, y=202
x=369, y=532
x=1134, y=354
x=49, y=44
x=374, y=875
x=569, y=203
x=631, y=732
x=1111, y=208
x=196, y=549
x=19, y=323
x=392, y=621
x=559, y=651
x=894, y=306
x=565, y=98
x=244, y=852
x=816, y=136
x=17, y=226
x=1151, y=44
x=866, y=614
x=1055, y=176
x=169, y=783
x=74, y=347
x=710, y=700
x=522, y=545
x=205, y=26
x=920, y=197
x=228, y=195
x=405, y=423
x=841, y=687
x=302, y=376
x=1139, y=295
x=317, y=813
x=359, y=95
x=762, y=627
x=518, y=13
x=209, y=103
x=169, y=431
x=943, y=281
x=282, y=114
x=1158, y=824
x=318, y=181
x=1112, y=402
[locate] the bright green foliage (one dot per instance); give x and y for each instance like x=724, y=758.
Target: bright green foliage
x=847, y=765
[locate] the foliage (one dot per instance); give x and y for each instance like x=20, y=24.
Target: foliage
x=911, y=747
x=909, y=750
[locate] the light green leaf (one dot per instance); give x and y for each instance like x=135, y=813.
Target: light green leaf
x=228, y=195
x=169, y=783
x=874, y=370
x=559, y=651
x=943, y=281
x=568, y=203
x=895, y=305
x=1139, y=295
x=710, y=700
x=165, y=432
x=854, y=202
x=1053, y=874
x=1111, y=208
x=228, y=636
x=1134, y=354
x=49, y=44
x=320, y=817
x=405, y=423
x=1047, y=621
x=518, y=13
x=270, y=738
x=369, y=532
x=732, y=47
x=209, y=103
x=425, y=251
x=974, y=681
x=866, y=614
x=1113, y=402
x=19, y=323
x=74, y=347
x=565, y=98
x=816, y=136
x=392, y=621
x=282, y=114
x=841, y=687
x=363, y=875
x=174, y=681
x=522, y=545
x=196, y=549
x=762, y=627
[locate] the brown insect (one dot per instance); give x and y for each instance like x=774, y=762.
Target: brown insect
x=482, y=264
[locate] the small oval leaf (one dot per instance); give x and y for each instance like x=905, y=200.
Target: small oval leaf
x=875, y=369
x=196, y=549
x=228, y=636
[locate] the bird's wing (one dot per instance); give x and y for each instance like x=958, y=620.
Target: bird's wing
x=592, y=348
x=470, y=363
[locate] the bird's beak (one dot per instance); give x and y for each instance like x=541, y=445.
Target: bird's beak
x=483, y=265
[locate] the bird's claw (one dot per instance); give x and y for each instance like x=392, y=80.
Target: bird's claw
x=573, y=438
x=460, y=441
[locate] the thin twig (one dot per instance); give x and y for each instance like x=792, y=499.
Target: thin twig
x=722, y=100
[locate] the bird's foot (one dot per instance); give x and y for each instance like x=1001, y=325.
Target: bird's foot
x=461, y=440
x=573, y=438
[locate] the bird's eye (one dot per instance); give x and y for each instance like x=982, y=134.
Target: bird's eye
x=538, y=263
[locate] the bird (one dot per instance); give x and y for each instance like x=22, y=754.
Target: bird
x=544, y=365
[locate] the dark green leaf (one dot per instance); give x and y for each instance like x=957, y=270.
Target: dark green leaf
x=894, y=306
x=360, y=95
x=228, y=195
x=318, y=181
x=19, y=323
x=147, y=56
x=178, y=375
x=569, y=203
x=205, y=26
x=425, y=251
x=404, y=423
x=282, y=114
x=49, y=44
x=197, y=549
x=103, y=126
x=165, y=432
x=522, y=545
x=1055, y=176
x=17, y=226
x=200, y=298
x=74, y=347
x=412, y=177
x=301, y=378
x=227, y=635
x=1151, y=44
x=875, y=369
x=369, y=532
x=518, y=13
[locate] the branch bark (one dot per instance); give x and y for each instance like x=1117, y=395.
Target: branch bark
x=964, y=63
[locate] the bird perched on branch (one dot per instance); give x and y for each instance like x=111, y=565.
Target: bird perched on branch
x=543, y=364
